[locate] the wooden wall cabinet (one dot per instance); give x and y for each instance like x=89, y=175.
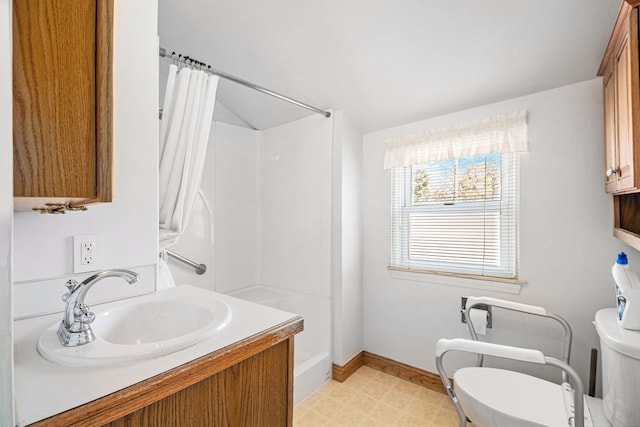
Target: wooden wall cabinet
x=620, y=70
x=621, y=84
x=62, y=101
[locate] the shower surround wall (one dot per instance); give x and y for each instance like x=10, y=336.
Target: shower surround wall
x=295, y=209
x=270, y=197
x=223, y=232
x=295, y=236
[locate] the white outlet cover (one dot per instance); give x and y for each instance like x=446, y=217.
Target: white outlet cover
x=87, y=253
x=96, y=241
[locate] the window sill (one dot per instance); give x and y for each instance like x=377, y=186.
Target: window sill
x=507, y=286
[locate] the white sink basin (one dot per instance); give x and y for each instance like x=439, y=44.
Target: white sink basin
x=142, y=328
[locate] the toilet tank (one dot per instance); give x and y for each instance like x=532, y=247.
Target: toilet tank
x=620, y=355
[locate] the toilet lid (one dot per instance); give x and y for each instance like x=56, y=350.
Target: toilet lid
x=515, y=395
x=615, y=336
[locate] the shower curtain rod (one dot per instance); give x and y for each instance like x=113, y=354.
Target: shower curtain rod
x=207, y=68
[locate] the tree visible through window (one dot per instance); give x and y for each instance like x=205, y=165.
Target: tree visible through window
x=459, y=180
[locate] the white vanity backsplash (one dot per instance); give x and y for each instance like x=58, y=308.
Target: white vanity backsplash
x=41, y=297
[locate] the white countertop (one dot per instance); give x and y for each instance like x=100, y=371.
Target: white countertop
x=43, y=389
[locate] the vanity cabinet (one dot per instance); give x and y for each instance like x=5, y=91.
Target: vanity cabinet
x=62, y=101
x=249, y=383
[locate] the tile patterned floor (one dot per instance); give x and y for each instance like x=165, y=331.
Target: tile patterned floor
x=371, y=398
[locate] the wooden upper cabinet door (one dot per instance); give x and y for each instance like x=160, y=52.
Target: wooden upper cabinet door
x=62, y=96
x=624, y=116
x=628, y=107
x=620, y=70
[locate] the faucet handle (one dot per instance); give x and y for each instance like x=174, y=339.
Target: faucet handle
x=83, y=314
x=71, y=285
x=88, y=317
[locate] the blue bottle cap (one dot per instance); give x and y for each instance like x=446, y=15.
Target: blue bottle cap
x=622, y=259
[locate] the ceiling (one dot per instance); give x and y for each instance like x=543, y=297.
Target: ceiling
x=387, y=62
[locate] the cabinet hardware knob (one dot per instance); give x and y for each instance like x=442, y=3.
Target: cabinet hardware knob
x=611, y=171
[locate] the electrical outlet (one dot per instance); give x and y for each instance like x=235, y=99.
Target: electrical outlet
x=86, y=252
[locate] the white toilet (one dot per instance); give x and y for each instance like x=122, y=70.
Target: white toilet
x=620, y=355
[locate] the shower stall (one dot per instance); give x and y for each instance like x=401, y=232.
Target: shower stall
x=262, y=224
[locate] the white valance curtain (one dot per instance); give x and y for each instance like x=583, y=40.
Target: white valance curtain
x=184, y=133
x=499, y=134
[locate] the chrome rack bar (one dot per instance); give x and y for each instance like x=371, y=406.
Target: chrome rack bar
x=207, y=68
x=200, y=268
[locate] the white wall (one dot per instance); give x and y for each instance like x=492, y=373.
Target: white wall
x=128, y=225
x=566, y=246
x=6, y=207
x=346, y=252
x=295, y=213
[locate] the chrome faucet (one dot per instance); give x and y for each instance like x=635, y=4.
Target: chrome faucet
x=74, y=329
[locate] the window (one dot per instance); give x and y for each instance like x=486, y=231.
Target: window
x=456, y=213
x=456, y=216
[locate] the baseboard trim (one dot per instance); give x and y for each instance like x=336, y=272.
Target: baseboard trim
x=388, y=366
x=406, y=372
x=341, y=373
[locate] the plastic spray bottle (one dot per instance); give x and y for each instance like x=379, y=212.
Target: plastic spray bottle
x=627, y=293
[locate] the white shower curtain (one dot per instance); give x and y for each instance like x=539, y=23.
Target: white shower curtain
x=184, y=132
